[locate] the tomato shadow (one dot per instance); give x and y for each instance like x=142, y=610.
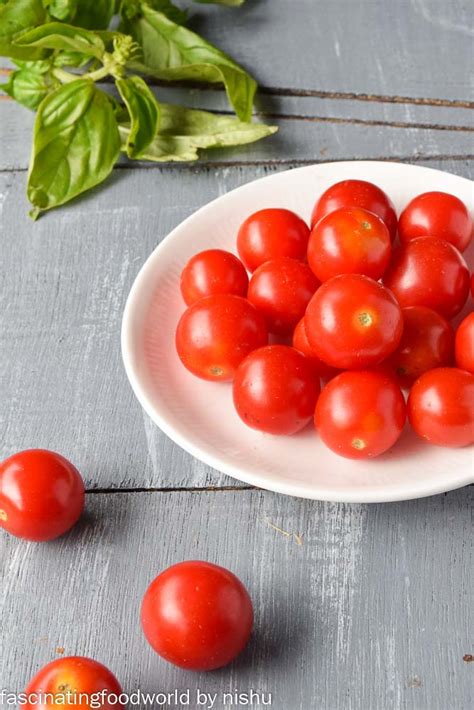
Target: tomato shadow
x=279, y=640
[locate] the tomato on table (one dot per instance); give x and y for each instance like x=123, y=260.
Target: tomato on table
x=270, y=234
x=464, y=344
x=429, y=272
x=211, y=272
x=353, y=322
x=357, y=193
x=349, y=240
x=360, y=414
x=275, y=390
x=427, y=342
x=441, y=407
x=300, y=342
x=280, y=290
x=41, y=495
x=216, y=333
x=75, y=675
x=436, y=214
x=197, y=615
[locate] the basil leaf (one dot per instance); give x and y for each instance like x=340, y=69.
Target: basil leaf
x=94, y=14
x=184, y=131
x=229, y=3
x=71, y=59
x=62, y=9
x=16, y=16
x=132, y=8
x=172, y=52
x=57, y=35
x=144, y=114
x=40, y=66
x=27, y=87
x=76, y=144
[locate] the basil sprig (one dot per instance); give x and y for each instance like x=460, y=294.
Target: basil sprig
x=63, y=49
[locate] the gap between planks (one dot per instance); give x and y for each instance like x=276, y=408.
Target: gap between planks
x=172, y=489
x=270, y=163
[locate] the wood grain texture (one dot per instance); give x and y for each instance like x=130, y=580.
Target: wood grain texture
x=307, y=139
x=371, y=611
x=63, y=285
x=413, y=48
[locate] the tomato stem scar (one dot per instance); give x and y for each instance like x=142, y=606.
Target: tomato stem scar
x=358, y=444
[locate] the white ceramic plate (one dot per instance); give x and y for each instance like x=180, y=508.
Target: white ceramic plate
x=199, y=415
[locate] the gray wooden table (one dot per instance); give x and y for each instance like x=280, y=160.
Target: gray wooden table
x=373, y=610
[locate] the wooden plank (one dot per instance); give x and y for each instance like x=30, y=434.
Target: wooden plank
x=64, y=281
x=298, y=140
x=356, y=617
x=332, y=105
x=411, y=48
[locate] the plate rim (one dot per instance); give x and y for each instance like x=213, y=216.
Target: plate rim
x=389, y=494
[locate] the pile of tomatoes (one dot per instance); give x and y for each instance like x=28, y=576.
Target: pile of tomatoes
x=345, y=304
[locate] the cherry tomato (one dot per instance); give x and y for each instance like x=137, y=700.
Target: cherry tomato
x=472, y=285
x=353, y=322
x=216, y=333
x=212, y=272
x=360, y=414
x=357, y=193
x=349, y=241
x=441, y=407
x=275, y=390
x=464, y=344
x=300, y=342
x=67, y=678
x=427, y=342
x=429, y=272
x=270, y=234
x=436, y=214
x=197, y=615
x=280, y=290
x=41, y=495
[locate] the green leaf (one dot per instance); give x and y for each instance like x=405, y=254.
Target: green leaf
x=184, y=131
x=40, y=66
x=229, y=3
x=62, y=9
x=57, y=35
x=76, y=144
x=27, y=87
x=131, y=8
x=71, y=59
x=144, y=114
x=16, y=16
x=94, y=14
x=172, y=52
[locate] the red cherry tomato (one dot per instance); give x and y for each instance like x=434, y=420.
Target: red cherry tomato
x=197, y=615
x=429, y=272
x=41, y=495
x=67, y=678
x=270, y=234
x=353, y=322
x=436, y=214
x=216, y=333
x=441, y=407
x=213, y=272
x=427, y=342
x=464, y=344
x=357, y=193
x=280, y=290
x=349, y=241
x=472, y=285
x=360, y=414
x=275, y=390
x=300, y=342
